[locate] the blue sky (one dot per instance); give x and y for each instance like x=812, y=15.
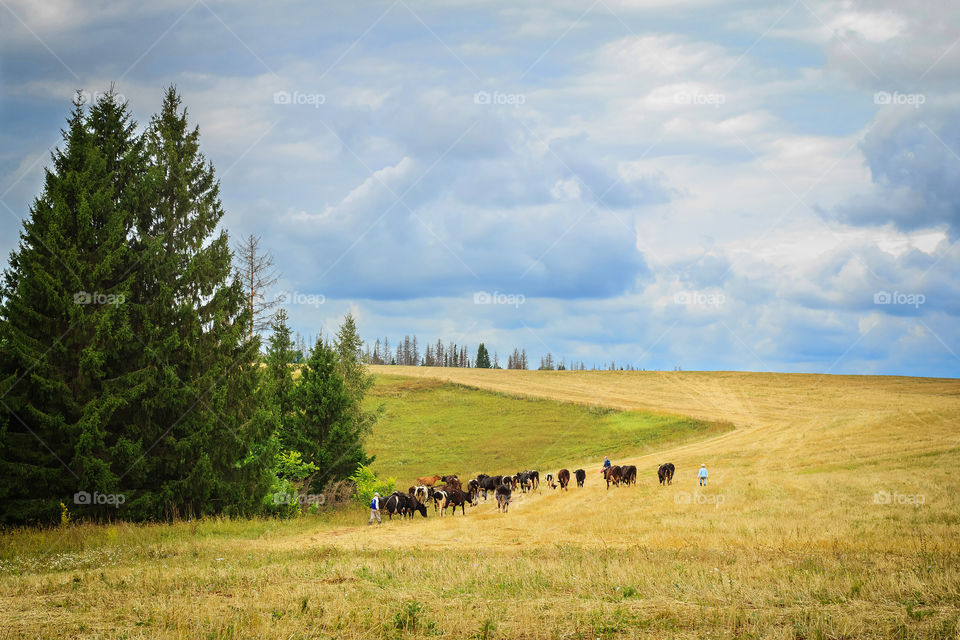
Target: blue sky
x=711, y=185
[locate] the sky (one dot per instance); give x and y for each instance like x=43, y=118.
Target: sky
x=708, y=185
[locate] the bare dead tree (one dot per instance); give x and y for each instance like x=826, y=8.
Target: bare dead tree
x=256, y=270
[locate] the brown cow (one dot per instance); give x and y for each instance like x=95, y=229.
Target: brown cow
x=428, y=481
x=628, y=474
x=612, y=475
x=563, y=477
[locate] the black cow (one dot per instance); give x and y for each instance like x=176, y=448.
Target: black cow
x=456, y=498
x=581, y=476
x=473, y=490
x=549, y=478
x=665, y=473
x=503, y=497
x=563, y=477
x=628, y=474
x=403, y=505
x=489, y=483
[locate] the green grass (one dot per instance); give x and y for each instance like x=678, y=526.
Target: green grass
x=432, y=427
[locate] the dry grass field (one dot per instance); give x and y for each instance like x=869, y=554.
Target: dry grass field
x=832, y=511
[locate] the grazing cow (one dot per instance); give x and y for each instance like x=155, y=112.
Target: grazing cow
x=628, y=474
x=456, y=498
x=503, y=497
x=428, y=481
x=563, y=477
x=422, y=493
x=451, y=480
x=403, y=505
x=473, y=490
x=549, y=478
x=665, y=473
x=612, y=475
x=412, y=491
x=581, y=476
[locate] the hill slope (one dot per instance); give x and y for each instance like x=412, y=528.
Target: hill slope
x=832, y=511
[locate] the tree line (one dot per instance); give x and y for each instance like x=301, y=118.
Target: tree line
x=132, y=383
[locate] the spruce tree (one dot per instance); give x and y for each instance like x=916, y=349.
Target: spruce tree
x=64, y=321
x=188, y=440
x=483, y=358
x=327, y=432
x=278, y=379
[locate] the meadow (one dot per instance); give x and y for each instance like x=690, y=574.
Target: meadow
x=832, y=511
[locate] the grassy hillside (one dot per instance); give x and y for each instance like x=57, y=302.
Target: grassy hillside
x=833, y=511
x=434, y=427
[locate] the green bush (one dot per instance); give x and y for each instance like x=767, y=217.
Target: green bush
x=368, y=483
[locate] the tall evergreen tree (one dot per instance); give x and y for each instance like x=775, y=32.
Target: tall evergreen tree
x=189, y=438
x=328, y=434
x=278, y=378
x=64, y=323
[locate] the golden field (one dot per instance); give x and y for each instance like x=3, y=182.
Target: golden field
x=832, y=511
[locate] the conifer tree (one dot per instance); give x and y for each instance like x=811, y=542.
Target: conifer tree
x=64, y=323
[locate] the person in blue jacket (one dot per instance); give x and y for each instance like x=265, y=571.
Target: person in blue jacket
x=375, y=509
x=703, y=475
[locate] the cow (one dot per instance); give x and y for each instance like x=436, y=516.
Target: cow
x=489, y=483
x=612, y=475
x=535, y=478
x=549, y=478
x=473, y=490
x=403, y=505
x=456, y=498
x=563, y=477
x=422, y=493
x=628, y=474
x=581, y=476
x=451, y=480
x=428, y=481
x=503, y=497
x=665, y=473
x=439, y=497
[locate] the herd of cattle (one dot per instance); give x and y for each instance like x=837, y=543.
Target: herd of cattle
x=452, y=494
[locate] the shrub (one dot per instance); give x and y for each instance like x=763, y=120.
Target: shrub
x=368, y=483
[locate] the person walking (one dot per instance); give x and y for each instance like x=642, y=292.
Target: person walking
x=375, y=509
x=703, y=475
